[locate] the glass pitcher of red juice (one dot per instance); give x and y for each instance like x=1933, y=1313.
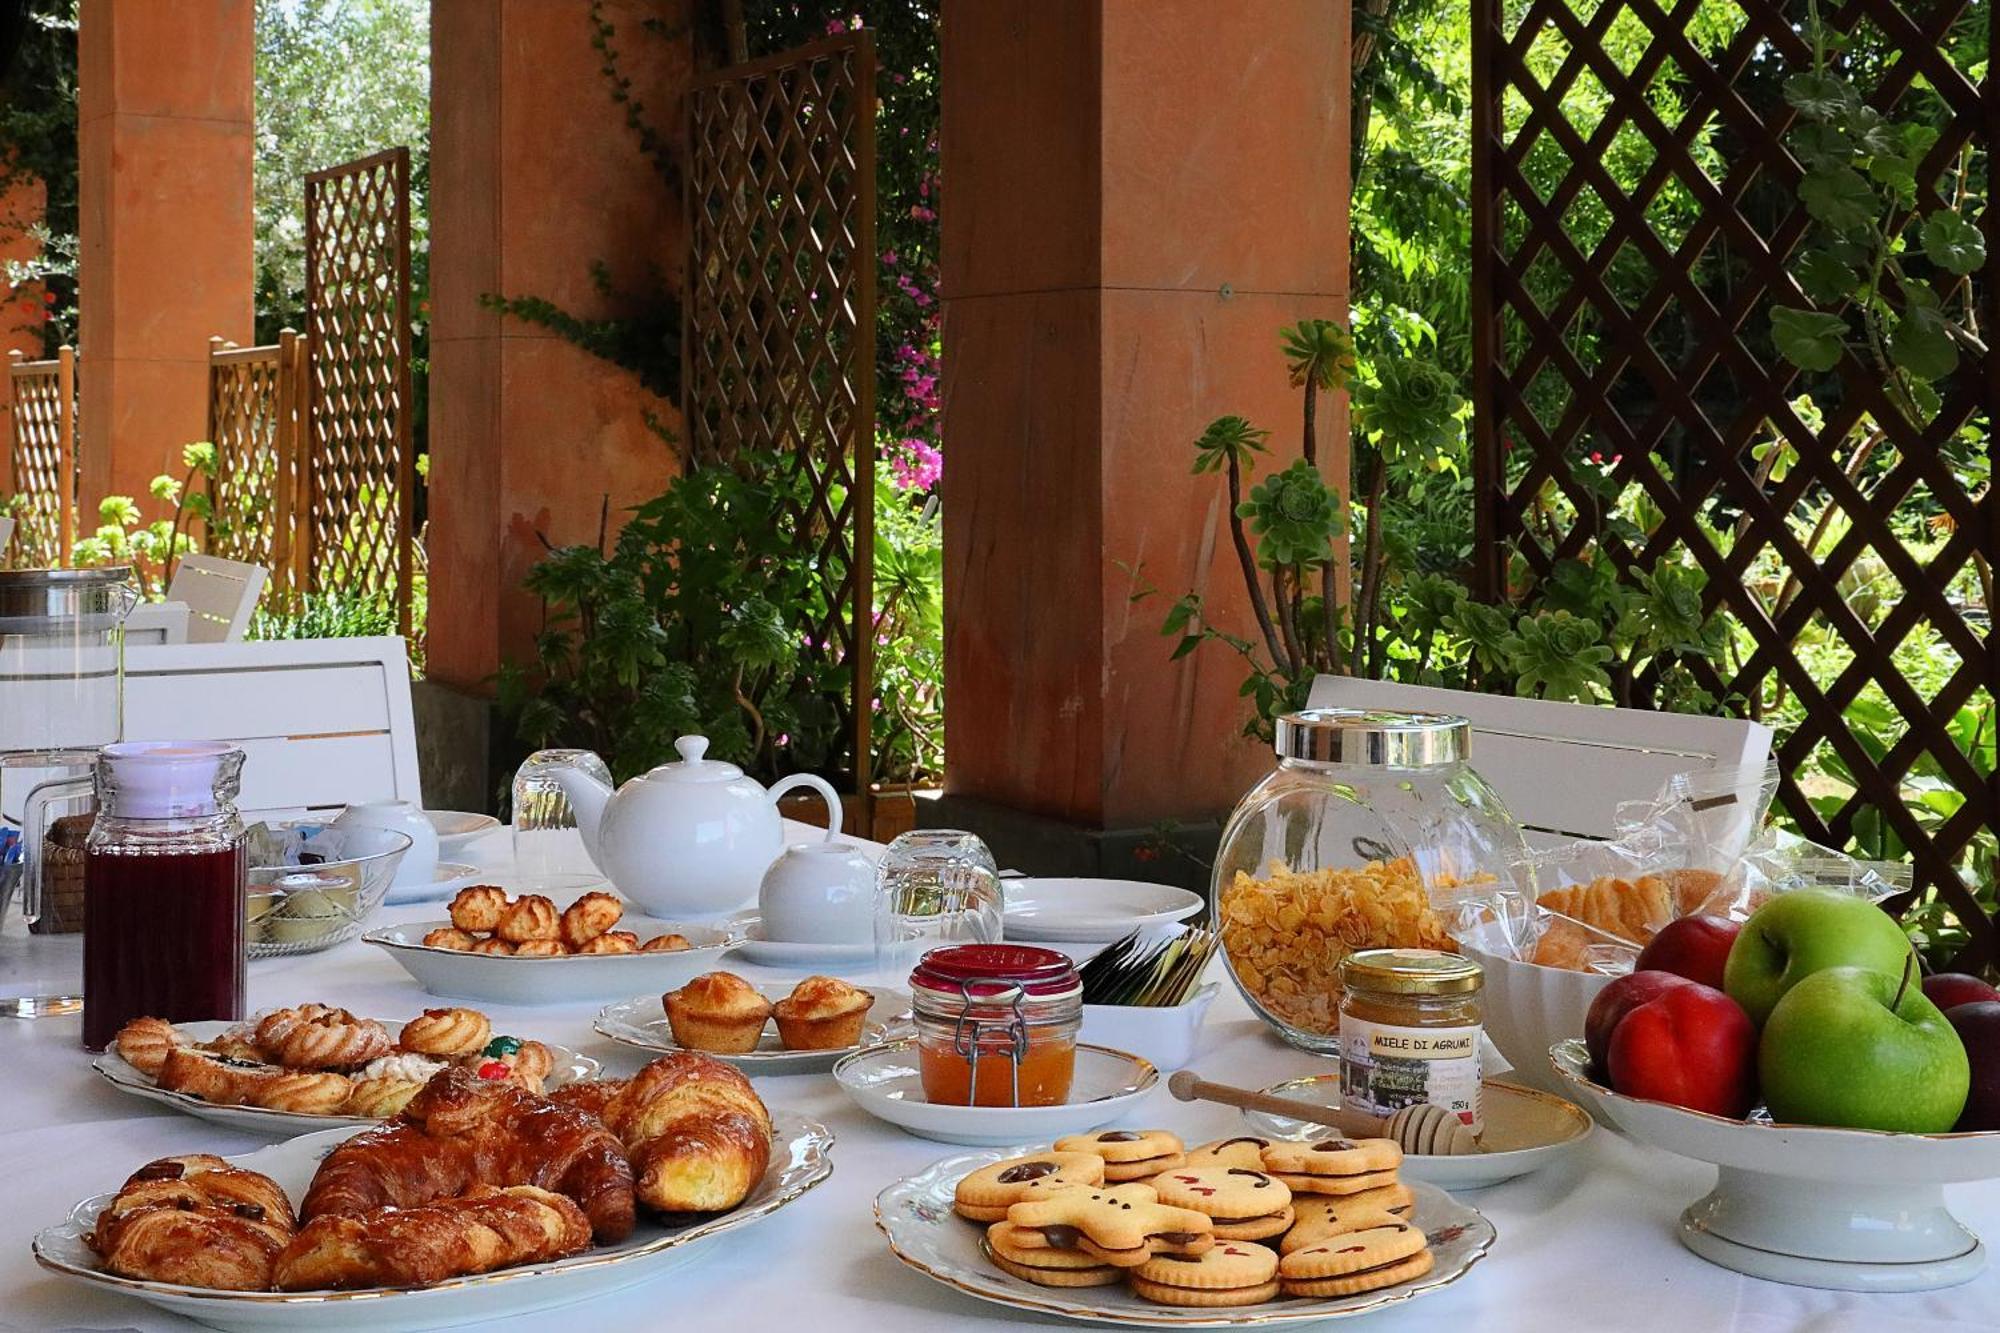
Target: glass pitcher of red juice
x=165, y=874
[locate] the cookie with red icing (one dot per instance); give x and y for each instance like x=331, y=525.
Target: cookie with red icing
x=1245, y=1204
x=1228, y=1274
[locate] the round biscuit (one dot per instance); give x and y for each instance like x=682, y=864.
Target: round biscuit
x=1008, y=1242
x=1213, y=1298
x=1225, y=1265
x=1403, y=1270
x=1225, y=1193
x=1337, y=1256
x=1097, y=1275
x=1124, y=1145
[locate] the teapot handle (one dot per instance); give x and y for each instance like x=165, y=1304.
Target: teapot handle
x=821, y=787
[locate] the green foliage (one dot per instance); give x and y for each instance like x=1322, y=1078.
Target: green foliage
x=1295, y=517
x=124, y=536
x=38, y=143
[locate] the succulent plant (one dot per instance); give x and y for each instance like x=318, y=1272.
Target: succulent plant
x=1295, y=516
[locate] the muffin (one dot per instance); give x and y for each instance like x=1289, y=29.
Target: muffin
x=822, y=1014
x=717, y=1011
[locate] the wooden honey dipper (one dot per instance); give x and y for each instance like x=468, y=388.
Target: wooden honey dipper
x=1422, y=1130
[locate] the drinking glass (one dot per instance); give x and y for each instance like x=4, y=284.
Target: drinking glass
x=548, y=847
x=933, y=887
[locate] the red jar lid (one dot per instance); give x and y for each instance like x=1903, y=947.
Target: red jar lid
x=987, y=969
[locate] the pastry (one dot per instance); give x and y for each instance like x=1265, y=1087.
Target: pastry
x=1245, y=1204
x=698, y=1134
x=717, y=1011
x=493, y=944
x=220, y=1079
x=477, y=908
x=666, y=944
x=144, y=1043
x=1365, y=1260
x=1045, y=1266
x=987, y=1194
x=588, y=917
x=1334, y=1166
x=540, y=949
x=1245, y=1150
x=481, y=1231
x=529, y=917
x=1631, y=911
x=235, y=1044
x=530, y=1061
x=315, y=1036
x=612, y=941
x=1129, y=1154
x=446, y=1032
x=380, y=1098
x=195, y=1221
x=306, y=1092
x=461, y=1131
x=1323, y=1215
x=449, y=937
x=1232, y=1272
x=822, y=1014
x=1691, y=888
x=1118, y=1224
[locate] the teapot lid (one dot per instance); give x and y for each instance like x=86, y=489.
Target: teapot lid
x=693, y=768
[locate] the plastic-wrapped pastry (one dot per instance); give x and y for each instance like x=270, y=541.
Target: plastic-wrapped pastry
x=446, y=1032
x=588, y=917
x=529, y=917
x=478, y=908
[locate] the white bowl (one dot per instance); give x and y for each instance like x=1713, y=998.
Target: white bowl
x=884, y=1081
x=1813, y=1205
x=1530, y=1008
x=503, y=979
x=1166, y=1036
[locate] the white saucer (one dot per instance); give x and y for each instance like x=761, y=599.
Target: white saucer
x=457, y=828
x=447, y=879
x=884, y=1081
x=1089, y=911
x=812, y=955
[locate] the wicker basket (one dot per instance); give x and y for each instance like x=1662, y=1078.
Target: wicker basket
x=62, y=876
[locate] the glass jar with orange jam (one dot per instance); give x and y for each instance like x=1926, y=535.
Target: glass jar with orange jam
x=996, y=1025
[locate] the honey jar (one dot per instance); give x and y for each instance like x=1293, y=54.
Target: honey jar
x=996, y=1025
x=1410, y=1021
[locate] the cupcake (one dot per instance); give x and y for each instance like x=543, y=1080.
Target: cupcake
x=822, y=1014
x=717, y=1011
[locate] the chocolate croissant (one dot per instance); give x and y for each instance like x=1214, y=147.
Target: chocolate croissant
x=462, y=1131
x=415, y=1247
x=698, y=1134
x=196, y=1221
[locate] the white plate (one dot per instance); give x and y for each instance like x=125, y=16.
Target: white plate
x=446, y=880
x=884, y=1081
x=1525, y=1130
x=642, y=1021
x=507, y=980
x=915, y=1214
x=800, y=1159
x=802, y=954
x=1089, y=911
x=569, y=1067
x=456, y=828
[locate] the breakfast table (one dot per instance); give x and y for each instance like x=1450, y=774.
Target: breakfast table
x=1588, y=1243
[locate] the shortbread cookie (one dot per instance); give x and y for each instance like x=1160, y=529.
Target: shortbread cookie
x=1119, y=1224
x=1323, y=1215
x=1368, y=1279
x=1341, y=1185
x=1229, y=1273
x=1334, y=1166
x=1244, y=1204
x=1045, y=1266
x=1245, y=1150
x=1129, y=1154
x=1356, y=1252
x=987, y=1194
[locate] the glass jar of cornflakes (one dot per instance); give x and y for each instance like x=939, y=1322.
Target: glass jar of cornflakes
x=1368, y=820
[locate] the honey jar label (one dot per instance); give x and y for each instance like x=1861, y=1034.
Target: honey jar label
x=1385, y=1067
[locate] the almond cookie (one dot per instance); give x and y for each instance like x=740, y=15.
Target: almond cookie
x=1129, y=1154
x=1245, y=1150
x=1323, y=1215
x=588, y=917
x=1245, y=1204
x=1229, y=1273
x=1043, y=1266
x=477, y=909
x=1373, y=1256
x=493, y=944
x=1334, y=1166
x=987, y=1194
x=666, y=944
x=450, y=937
x=529, y=917
x=611, y=941
x=1367, y=1279
x=540, y=949
x=446, y=1032
x=1119, y=1224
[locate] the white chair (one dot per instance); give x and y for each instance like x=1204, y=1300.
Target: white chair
x=6, y=537
x=322, y=722
x=1564, y=768
x=220, y=595
x=157, y=622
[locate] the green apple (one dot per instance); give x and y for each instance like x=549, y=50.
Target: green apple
x=1797, y=934
x=1854, y=1047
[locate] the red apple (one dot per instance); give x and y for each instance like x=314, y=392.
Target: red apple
x=1614, y=1002
x=1948, y=990
x=1690, y=1046
x=1694, y=947
x=1978, y=1026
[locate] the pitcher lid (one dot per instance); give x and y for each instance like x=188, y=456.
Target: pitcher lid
x=693, y=767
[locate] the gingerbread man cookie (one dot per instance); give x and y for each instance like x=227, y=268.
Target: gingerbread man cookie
x=1119, y=1224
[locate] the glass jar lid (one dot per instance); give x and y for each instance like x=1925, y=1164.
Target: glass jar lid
x=963, y=972
x=1411, y=972
x=1377, y=737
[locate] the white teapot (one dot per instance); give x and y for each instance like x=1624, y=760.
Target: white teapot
x=687, y=839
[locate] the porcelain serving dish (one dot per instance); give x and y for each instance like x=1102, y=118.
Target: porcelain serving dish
x=600, y=977
x=1165, y=1034
x=800, y=1159
x=884, y=1081
x=1089, y=911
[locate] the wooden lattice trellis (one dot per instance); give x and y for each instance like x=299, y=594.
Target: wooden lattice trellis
x=779, y=348
x=256, y=419
x=361, y=479
x=43, y=459
x=1672, y=388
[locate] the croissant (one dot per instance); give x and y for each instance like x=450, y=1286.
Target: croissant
x=197, y=1221
x=461, y=1131
x=414, y=1247
x=698, y=1134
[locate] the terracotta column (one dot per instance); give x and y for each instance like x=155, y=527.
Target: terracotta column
x=535, y=175
x=21, y=310
x=1138, y=197
x=164, y=147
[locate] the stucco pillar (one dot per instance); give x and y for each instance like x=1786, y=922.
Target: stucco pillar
x=164, y=145
x=534, y=176
x=1137, y=198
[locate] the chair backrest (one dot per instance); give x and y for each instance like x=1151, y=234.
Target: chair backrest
x=323, y=722
x=1563, y=768
x=157, y=622
x=220, y=595
x=6, y=536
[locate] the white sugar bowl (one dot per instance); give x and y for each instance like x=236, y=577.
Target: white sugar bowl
x=419, y=865
x=818, y=893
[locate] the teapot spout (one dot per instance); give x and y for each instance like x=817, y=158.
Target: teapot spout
x=588, y=795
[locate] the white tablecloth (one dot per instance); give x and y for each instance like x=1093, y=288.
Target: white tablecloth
x=1589, y=1245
